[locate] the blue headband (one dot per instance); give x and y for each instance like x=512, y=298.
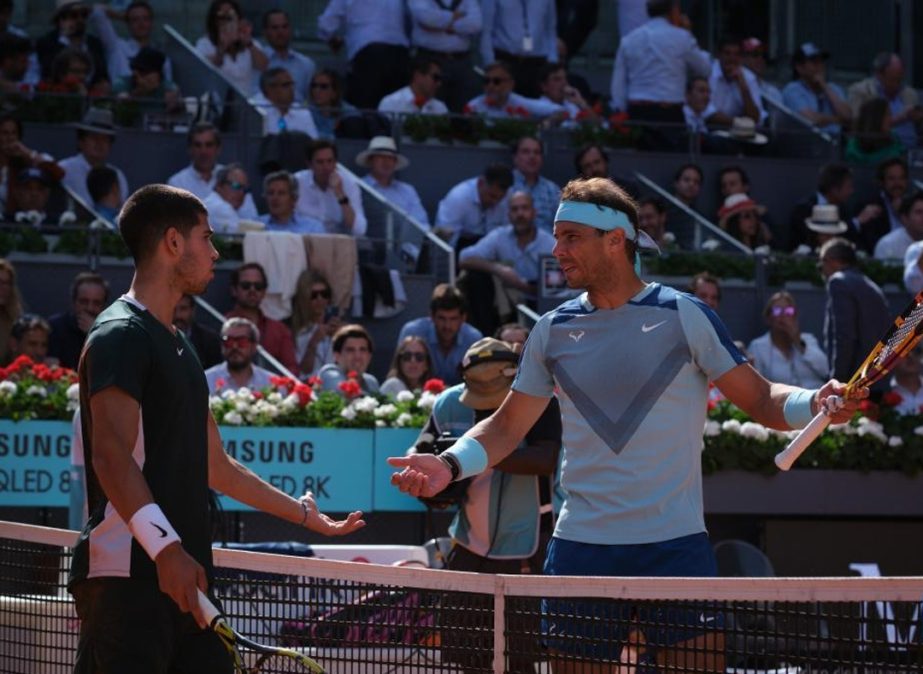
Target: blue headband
x=599, y=217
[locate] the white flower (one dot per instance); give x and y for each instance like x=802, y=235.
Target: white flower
x=845, y=429
x=379, y=423
x=385, y=410
x=750, y=429
x=365, y=404
x=348, y=413
x=289, y=403
x=731, y=426
x=227, y=394
x=7, y=388
x=72, y=405
x=404, y=396
x=36, y=390
x=213, y=400
x=918, y=430
x=73, y=392
x=274, y=397
x=67, y=217
x=243, y=393
x=403, y=419
x=895, y=441
x=233, y=418
x=712, y=428
x=427, y=400
x=871, y=430
x=242, y=406
x=669, y=238
x=711, y=244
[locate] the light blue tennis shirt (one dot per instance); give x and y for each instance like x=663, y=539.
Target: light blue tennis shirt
x=632, y=383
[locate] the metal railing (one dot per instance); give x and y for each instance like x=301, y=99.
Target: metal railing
x=699, y=221
x=527, y=315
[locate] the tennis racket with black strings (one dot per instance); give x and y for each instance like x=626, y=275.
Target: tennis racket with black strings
x=268, y=658
x=897, y=343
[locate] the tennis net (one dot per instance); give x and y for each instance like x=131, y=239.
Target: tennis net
x=375, y=619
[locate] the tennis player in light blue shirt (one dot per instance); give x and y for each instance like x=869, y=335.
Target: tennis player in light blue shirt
x=630, y=363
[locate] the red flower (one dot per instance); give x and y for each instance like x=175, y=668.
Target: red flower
x=304, y=393
x=282, y=382
x=350, y=388
x=869, y=409
x=420, y=100
x=521, y=111
x=584, y=114
x=617, y=122
x=315, y=382
x=435, y=386
x=220, y=383
x=467, y=110
x=891, y=399
x=352, y=374
x=258, y=395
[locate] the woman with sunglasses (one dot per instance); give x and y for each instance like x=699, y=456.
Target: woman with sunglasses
x=740, y=217
x=784, y=353
x=410, y=367
x=314, y=321
x=327, y=105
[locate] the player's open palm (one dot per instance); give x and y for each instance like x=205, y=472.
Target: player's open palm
x=179, y=577
x=317, y=521
x=422, y=474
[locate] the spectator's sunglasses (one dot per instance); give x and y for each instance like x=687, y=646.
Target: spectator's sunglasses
x=408, y=356
x=784, y=311
x=238, y=187
x=240, y=341
x=320, y=293
x=252, y=285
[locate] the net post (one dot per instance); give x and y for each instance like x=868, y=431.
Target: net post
x=499, y=624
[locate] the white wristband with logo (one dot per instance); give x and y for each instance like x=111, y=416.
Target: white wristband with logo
x=152, y=529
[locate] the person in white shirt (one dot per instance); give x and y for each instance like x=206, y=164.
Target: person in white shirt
x=204, y=145
x=894, y=245
x=139, y=19
x=383, y=161
x=329, y=196
x=735, y=91
x=277, y=103
x=377, y=46
x=95, y=136
x=224, y=203
x=907, y=382
x=785, y=354
x=228, y=44
x=239, y=339
x=474, y=207
x=499, y=101
x=699, y=111
x=753, y=56
x=418, y=97
x=556, y=89
x=913, y=268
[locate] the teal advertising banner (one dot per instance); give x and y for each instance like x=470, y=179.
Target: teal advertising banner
x=346, y=469
x=335, y=464
x=392, y=442
x=35, y=463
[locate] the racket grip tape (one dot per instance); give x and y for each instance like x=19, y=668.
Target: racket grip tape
x=802, y=441
x=209, y=610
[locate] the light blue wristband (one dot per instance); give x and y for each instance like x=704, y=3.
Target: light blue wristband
x=470, y=455
x=797, y=408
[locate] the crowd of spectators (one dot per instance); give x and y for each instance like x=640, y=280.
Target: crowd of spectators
x=498, y=222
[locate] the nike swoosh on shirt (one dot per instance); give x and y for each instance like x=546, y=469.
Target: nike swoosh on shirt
x=648, y=328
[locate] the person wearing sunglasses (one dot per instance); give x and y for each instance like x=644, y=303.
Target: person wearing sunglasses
x=327, y=104
x=248, y=288
x=239, y=338
x=70, y=31
x=226, y=200
x=410, y=367
x=784, y=353
x=314, y=321
x=418, y=97
x=500, y=102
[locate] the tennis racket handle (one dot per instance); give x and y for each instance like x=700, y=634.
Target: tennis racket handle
x=209, y=610
x=802, y=441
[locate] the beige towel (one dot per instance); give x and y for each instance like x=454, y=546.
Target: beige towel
x=283, y=258
x=336, y=258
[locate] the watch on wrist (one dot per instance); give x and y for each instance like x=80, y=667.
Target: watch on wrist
x=453, y=465
x=343, y=200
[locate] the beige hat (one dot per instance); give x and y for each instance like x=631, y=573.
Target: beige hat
x=382, y=145
x=744, y=130
x=825, y=219
x=97, y=120
x=487, y=369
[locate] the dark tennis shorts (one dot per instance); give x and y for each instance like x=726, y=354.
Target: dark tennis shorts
x=129, y=625
x=597, y=630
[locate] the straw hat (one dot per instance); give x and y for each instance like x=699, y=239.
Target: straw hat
x=382, y=145
x=737, y=203
x=744, y=130
x=97, y=120
x=825, y=219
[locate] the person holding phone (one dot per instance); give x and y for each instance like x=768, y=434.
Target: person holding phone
x=228, y=44
x=314, y=321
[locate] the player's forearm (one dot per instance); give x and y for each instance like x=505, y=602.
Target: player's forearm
x=240, y=483
x=121, y=480
x=539, y=458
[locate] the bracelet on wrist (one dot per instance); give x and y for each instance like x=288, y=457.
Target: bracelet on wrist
x=305, y=509
x=453, y=465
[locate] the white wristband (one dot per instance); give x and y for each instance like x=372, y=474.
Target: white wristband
x=470, y=456
x=152, y=529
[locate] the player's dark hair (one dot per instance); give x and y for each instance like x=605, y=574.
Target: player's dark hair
x=151, y=211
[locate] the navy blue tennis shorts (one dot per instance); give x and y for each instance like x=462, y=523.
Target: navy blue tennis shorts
x=598, y=629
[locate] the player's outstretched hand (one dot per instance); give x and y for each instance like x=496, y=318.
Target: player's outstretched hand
x=179, y=577
x=422, y=474
x=830, y=400
x=324, y=524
